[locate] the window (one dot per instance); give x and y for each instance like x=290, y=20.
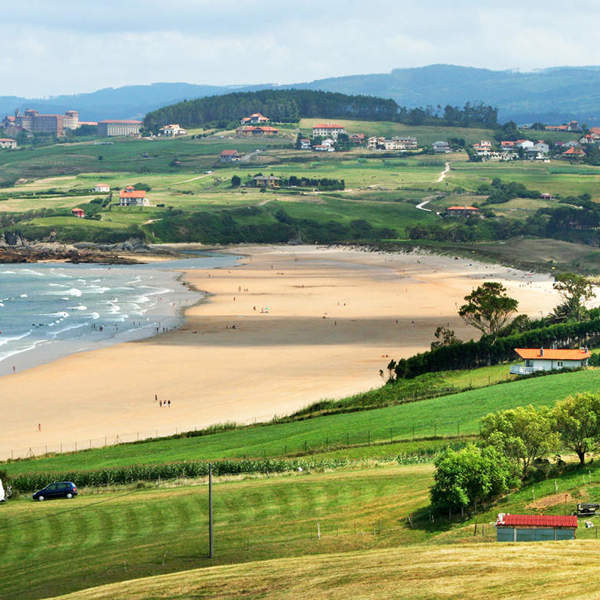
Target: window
x=559, y=363
x=528, y=363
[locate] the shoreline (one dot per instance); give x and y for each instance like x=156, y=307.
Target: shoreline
x=284, y=327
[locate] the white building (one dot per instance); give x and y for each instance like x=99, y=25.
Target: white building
x=172, y=130
x=331, y=130
x=102, y=188
x=113, y=127
x=8, y=143
x=542, y=359
x=441, y=147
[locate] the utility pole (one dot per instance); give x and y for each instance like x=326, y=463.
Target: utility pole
x=210, y=514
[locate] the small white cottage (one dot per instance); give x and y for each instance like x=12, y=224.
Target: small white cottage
x=542, y=359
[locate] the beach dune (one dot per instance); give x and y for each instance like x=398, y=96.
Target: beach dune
x=287, y=327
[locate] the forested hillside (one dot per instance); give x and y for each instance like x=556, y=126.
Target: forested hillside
x=289, y=106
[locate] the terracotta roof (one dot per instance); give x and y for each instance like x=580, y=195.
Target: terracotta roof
x=462, y=208
x=229, y=153
x=77, y=210
x=7, y=140
x=327, y=126
x=536, y=521
x=132, y=194
x=550, y=354
x=574, y=151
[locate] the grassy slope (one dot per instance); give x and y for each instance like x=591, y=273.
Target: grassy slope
x=550, y=570
x=447, y=415
x=61, y=546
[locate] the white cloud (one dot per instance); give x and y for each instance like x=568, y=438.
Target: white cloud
x=68, y=46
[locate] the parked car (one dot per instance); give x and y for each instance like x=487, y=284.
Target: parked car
x=57, y=489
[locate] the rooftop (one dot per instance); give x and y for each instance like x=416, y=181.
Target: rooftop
x=552, y=354
x=132, y=194
x=121, y=122
x=507, y=520
x=327, y=126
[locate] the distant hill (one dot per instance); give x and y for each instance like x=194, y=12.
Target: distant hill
x=552, y=95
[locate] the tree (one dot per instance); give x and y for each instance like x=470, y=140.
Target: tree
x=575, y=291
x=470, y=477
x=444, y=337
x=577, y=419
x=522, y=434
x=236, y=181
x=488, y=308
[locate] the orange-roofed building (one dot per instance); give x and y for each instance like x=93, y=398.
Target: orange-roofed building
x=549, y=359
x=573, y=152
x=462, y=211
x=78, y=212
x=255, y=118
x=131, y=197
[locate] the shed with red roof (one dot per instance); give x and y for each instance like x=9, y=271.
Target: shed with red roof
x=535, y=528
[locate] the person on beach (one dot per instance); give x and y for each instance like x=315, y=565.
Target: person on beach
x=160, y=403
x=169, y=403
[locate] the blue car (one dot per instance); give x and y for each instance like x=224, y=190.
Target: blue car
x=57, y=489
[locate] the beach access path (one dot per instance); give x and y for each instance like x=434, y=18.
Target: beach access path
x=287, y=327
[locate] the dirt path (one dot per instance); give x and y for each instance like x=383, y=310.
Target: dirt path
x=444, y=173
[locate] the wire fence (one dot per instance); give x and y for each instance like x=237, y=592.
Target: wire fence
x=290, y=443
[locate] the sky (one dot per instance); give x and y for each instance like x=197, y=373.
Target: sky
x=71, y=46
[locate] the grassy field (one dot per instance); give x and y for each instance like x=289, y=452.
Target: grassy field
x=56, y=547
x=456, y=414
x=471, y=571
x=125, y=533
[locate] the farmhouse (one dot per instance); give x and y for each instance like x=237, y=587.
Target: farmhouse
x=327, y=130
x=535, y=528
x=304, y=144
x=255, y=118
x=266, y=181
x=462, y=211
x=102, y=188
x=544, y=359
x=251, y=130
x=132, y=197
x=441, y=147
x=573, y=152
x=8, y=143
x=172, y=130
x=229, y=156
x=78, y=212
x=357, y=138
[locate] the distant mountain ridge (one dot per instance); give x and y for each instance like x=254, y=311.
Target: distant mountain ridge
x=552, y=95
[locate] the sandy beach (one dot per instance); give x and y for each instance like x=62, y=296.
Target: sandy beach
x=287, y=327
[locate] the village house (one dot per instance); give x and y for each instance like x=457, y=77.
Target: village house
x=78, y=212
x=254, y=119
x=573, y=152
x=462, y=211
x=323, y=148
x=229, y=156
x=251, y=130
x=394, y=143
x=546, y=196
x=538, y=151
x=8, y=143
x=331, y=130
x=357, y=138
x=116, y=127
x=102, y=188
x=535, y=528
x=172, y=130
x=132, y=197
x=548, y=359
x=304, y=144
x=441, y=147
x=266, y=181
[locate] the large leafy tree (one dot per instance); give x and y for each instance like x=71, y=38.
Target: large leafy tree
x=575, y=291
x=488, y=308
x=468, y=478
x=577, y=419
x=522, y=434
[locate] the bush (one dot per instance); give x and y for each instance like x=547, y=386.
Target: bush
x=467, y=479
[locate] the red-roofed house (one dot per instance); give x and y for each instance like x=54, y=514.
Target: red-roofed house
x=251, y=130
x=229, y=155
x=573, y=152
x=132, y=197
x=254, y=119
x=462, y=211
x=535, y=528
x=548, y=359
x=102, y=188
x=331, y=130
x=78, y=212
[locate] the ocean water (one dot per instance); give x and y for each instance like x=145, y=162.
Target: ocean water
x=48, y=310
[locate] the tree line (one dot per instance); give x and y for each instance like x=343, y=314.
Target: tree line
x=514, y=446
x=290, y=105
